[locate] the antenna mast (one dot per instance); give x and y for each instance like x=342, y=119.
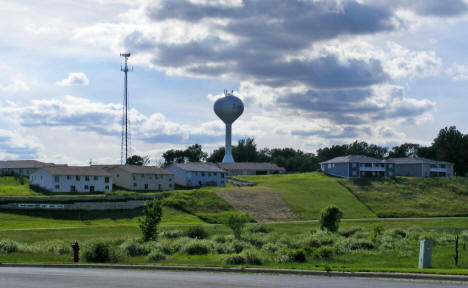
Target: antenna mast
x=125, y=122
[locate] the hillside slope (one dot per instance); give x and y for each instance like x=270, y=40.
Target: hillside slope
x=308, y=193
x=408, y=197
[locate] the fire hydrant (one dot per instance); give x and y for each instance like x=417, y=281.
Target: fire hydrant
x=76, y=251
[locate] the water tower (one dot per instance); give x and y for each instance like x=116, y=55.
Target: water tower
x=228, y=109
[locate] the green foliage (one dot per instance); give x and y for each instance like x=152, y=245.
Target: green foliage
x=134, y=248
x=237, y=222
x=252, y=256
x=330, y=218
x=138, y=160
x=8, y=246
x=235, y=259
x=148, y=224
x=290, y=256
x=156, y=256
x=376, y=231
x=323, y=253
x=100, y=251
x=196, y=247
x=193, y=153
x=172, y=234
x=259, y=228
x=197, y=232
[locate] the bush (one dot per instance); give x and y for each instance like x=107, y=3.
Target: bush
x=254, y=239
x=235, y=259
x=395, y=233
x=224, y=248
x=134, y=248
x=8, y=246
x=259, y=228
x=100, y=252
x=197, y=232
x=375, y=232
x=196, y=247
x=290, y=255
x=272, y=247
x=350, y=232
x=156, y=255
x=357, y=244
x=172, y=234
x=152, y=214
x=330, y=218
x=323, y=253
x=237, y=222
x=252, y=257
x=219, y=239
x=240, y=246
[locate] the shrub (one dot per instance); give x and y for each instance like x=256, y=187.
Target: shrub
x=330, y=218
x=252, y=257
x=156, y=255
x=240, y=246
x=134, y=248
x=323, y=253
x=172, y=234
x=395, y=233
x=100, y=252
x=319, y=239
x=254, y=239
x=152, y=214
x=272, y=247
x=197, y=232
x=224, y=248
x=375, y=232
x=357, y=244
x=237, y=222
x=350, y=232
x=235, y=259
x=8, y=246
x=259, y=228
x=298, y=255
x=414, y=232
x=196, y=247
x=219, y=239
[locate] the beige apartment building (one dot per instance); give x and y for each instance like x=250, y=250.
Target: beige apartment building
x=141, y=178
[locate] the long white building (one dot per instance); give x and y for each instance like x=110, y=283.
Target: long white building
x=72, y=179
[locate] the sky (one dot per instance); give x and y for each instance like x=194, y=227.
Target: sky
x=311, y=74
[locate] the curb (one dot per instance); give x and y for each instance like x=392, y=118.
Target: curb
x=382, y=275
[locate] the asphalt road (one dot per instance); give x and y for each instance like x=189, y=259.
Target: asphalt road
x=12, y=277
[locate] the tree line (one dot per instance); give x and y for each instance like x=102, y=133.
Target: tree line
x=450, y=145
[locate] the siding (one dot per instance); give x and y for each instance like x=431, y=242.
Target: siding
x=337, y=169
x=192, y=178
x=47, y=181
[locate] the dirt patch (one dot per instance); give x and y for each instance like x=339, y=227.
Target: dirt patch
x=260, y=203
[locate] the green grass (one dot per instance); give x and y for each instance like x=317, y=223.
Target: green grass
x=308, y=193
x=9, y=186
x=410, y=197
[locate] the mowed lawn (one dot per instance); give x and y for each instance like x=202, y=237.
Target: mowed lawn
x=412, y=197
x=9, y=186
x=308, y=193
x=18, y=219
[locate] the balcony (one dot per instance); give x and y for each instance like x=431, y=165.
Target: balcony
x=374, y=167
x=439, y=169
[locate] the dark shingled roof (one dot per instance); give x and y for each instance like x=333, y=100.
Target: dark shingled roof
x=411, y=160
x=352, y=159
x=198, y=167
x=20, y=164
x=250, y=166
x=76, y=170
x=142, y=169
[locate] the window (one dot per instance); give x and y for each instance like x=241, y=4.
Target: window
x=146, y=186
x=57, y=187
x=142, y=176
x=106, y=179
x=68, y=177
x=86, y=178
x=57, y=178
x=107, y=187
x=86, y=187
x=155, y=176
x=222, y=175
x=202, y=173
x=354, y=165
x=170, y=185
x=354, y=173
x=134, y=177
x=95, y=178
x=390, y=174
x=209, y=173
x=118, y=175
x=134, y=184
x=390, y=166
x=189, y=174
x=170, y=179
x=329, y=166
x=150, y=176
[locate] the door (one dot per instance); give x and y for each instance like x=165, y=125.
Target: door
x=91, y=189
x=72, y=188
x=146, y=186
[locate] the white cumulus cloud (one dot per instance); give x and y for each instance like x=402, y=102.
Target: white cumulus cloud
x=74, y=79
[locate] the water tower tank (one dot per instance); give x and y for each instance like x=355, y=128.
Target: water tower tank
x=228, y=109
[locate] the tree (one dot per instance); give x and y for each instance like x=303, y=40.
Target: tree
x=152, y=214
x=216, y=156
x=171, y=156
x=330, y=218
x=448, y=146
x=237, y=222
x=195, y=153
x=404, y=150
x=138, y=160
x=245, y=151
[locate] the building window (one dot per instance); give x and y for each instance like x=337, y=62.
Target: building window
x=222, y=175
x=390, y=174
x=134, y=184
x=57, y=187
x=354, y=173
x=170, y=185
x=86, y=178
x=68, y=177
x=107, y=187
x=150, y=176
x=134, y=177
x=209, y=173
x=354, y=165
x=189, y=174
x=170, y=179
x=86, y=187
x=390, y=166
x=95, y=178
x=57, y=178
x=118, y=175
x=156, y=177
x=202, y=173
x=106, y=179
x=329, y=166
x=146, y=186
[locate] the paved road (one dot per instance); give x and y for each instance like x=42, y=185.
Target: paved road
x=12, y=277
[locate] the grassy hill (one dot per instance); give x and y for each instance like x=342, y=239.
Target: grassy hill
x=308, y=193
x=409, y=197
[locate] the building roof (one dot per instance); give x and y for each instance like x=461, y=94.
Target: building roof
x=135, y=169
x=19, y=164
x=353, y=158
x=75, y=170
x=106, y=167
x=250, y=166
x=414, y=160
x=198, y=167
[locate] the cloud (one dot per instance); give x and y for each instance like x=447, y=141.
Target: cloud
x=74, y=79
x=15, y=145
x=458, y=72
x=14, y=86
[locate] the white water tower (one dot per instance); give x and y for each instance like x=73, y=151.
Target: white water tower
x=228, y=109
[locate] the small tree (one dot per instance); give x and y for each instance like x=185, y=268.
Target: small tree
x=152, y=213
x=330, y=218
x=237, y=222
